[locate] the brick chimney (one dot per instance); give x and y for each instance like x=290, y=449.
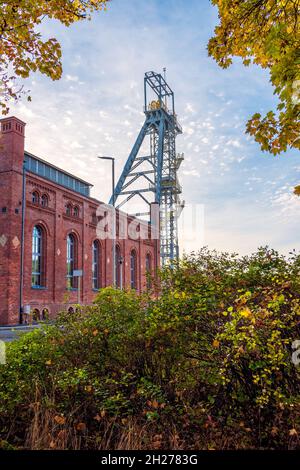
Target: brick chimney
x=12, y=138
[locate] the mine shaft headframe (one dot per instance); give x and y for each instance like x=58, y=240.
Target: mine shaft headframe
x=152, y=178
x=160, y=87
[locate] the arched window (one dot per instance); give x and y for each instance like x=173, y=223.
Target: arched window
x=44, y=200
x=69, y=209
x=133, y=283
x=45, y=314
x=71, y=261
x=35, y=197
x=76, y=211
x=37, y=276
x=118, y=267
x=36, y=317
x=96, y=265
x=94, y=218
x=148, y=270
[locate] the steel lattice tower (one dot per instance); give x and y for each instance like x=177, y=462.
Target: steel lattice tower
x=153, y=177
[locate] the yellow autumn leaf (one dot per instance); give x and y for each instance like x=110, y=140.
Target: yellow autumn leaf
x=245, y=313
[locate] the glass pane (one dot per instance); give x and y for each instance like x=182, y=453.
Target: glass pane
x=36, y=256
x=47, y=171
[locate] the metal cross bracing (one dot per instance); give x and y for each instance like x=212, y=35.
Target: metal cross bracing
x=153, y=177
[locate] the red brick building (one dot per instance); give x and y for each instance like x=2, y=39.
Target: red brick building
x=58, y=233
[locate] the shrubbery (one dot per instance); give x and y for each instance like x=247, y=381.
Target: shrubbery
x=206, y=364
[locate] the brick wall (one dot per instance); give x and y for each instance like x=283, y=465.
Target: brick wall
x=56, y=224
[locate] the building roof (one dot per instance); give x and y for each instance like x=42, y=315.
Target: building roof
x=53, y=173
x=57, y=168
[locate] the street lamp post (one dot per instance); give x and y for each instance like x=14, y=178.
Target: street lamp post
x=22, y=244
x=121, y=272
x=112, y=159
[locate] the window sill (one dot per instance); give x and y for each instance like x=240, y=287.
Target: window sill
x=72, y=289
x=39, y=287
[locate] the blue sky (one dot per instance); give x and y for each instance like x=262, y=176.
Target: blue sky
x=96, y=108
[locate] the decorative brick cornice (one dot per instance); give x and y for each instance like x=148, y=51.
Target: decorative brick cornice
x=73, y=218
x=73, y=200
x=40, y=186
x=39, y=207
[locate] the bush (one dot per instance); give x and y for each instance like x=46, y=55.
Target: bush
x=204, y=365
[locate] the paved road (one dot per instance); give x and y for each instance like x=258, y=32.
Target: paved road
x=8, y=334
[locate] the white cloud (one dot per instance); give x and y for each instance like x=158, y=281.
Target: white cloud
x=192, y=172
x=189, y=108
x=76, y=145
x=67, y=120
x=71, y=78
x=234, y=143
x=188, y=130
